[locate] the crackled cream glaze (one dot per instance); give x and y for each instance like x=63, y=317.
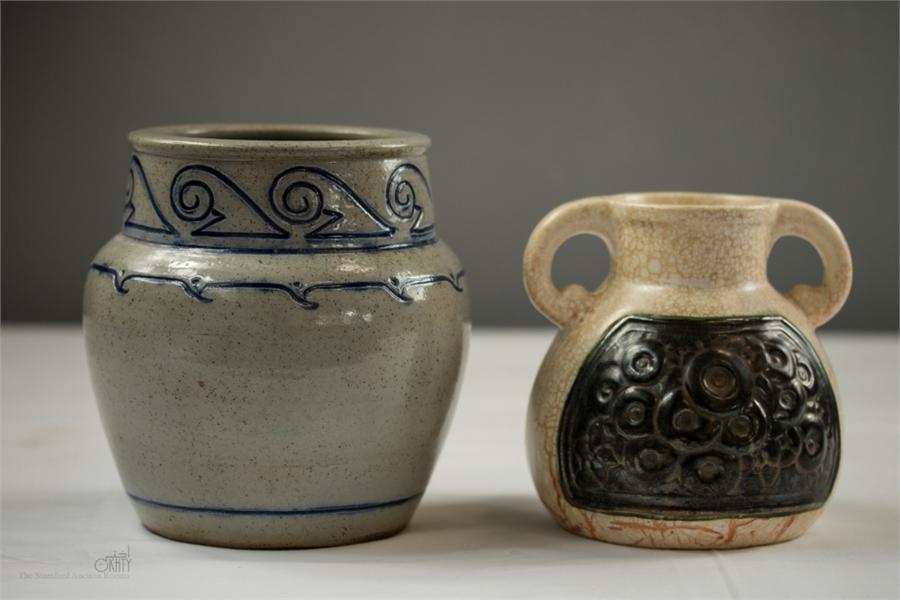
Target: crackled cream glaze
x=672, y=255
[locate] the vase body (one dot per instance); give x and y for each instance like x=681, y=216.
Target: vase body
x=276, y=337
x=686, y=403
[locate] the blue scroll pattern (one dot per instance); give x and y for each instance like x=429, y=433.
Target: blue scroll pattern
x=141, y=210
x=309, y=209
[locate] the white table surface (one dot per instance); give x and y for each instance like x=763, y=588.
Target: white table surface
x=480, y=530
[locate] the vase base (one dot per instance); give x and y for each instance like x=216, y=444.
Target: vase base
x=274, y=532
x=697, y=534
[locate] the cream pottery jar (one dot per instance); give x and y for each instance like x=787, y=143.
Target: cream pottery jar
x=686, y=403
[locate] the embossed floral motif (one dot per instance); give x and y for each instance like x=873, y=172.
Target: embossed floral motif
x=730, y=415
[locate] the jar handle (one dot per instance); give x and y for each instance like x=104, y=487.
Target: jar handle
x=799, y=219
x=588, y=215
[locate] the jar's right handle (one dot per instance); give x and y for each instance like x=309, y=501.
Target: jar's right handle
x=588, y=215
x=819, y=303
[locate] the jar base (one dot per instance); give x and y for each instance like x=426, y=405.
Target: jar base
x=700, y=534
x=276, y=532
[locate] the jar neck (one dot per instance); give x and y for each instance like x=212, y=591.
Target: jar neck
x=695, y=251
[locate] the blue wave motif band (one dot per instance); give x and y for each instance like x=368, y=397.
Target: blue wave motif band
x=309, y=209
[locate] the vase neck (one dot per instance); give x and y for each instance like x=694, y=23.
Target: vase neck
x=307, y=189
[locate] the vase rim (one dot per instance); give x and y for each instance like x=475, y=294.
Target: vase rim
x=694, y=201
x=274, y=140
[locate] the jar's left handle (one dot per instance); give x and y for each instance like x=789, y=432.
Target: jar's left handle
x=588, y=215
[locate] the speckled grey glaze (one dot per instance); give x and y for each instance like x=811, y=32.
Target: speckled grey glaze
x=276, y=336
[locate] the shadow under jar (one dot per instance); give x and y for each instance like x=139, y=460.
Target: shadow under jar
x=276, y=336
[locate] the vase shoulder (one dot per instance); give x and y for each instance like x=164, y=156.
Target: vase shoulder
x=203, y=273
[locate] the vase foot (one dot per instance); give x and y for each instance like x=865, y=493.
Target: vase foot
x=695, y=534
x=255, y=531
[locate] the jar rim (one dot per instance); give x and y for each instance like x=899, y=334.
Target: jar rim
x=263, y=140
x=700, y=201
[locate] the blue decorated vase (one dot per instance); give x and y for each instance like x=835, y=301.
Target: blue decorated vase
x=276, y=336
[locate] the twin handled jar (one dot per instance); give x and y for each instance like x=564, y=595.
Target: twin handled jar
x=686, y=403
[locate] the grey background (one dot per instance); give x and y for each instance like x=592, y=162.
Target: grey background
x=528, y=105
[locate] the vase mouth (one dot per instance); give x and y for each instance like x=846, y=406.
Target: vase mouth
x=693, y=201
x=263, y=140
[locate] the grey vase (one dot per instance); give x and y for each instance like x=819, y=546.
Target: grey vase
x=276, y=336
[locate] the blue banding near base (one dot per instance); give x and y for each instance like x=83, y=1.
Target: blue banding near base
x=291, y=512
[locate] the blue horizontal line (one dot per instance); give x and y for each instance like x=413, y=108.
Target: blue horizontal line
x=414, y=243
x=316, y=510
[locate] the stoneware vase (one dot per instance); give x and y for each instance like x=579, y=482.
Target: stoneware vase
x=276, y=335
x=686, y=403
